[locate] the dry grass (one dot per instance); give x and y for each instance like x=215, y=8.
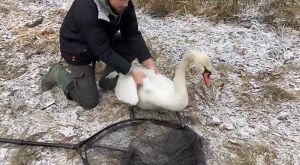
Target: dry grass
x=33, y=41
x=9, y=72
x=164, y=8
x=4, y=10
x=267, y=96
x=14, y=109
x=224, y=71
x=282, y=13
x=99, y=70
x=268, y=91
x=194, y=7
x=278, y=13
x=25, y=154
x=247, y=100
x=264, y=77
x=245, y=154
x=276, y=93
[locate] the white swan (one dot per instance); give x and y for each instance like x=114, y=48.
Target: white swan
x=159, y=92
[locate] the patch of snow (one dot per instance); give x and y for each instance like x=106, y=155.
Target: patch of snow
x=216, y=120
x=3, y=152
x=67, y=131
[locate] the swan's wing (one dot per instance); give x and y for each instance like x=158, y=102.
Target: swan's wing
x=156, y=92
x=156, y=89
x=166, y=81
x=155, y=78
x=126, y=89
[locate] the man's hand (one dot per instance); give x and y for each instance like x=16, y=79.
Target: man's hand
x=149, y=64
x=138, y=77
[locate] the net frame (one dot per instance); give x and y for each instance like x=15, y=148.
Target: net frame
x=126, y=123
x=110, y=128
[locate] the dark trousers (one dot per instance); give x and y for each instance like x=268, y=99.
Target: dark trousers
x=85, y=91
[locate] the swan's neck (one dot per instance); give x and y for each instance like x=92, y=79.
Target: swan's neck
x=180, y=79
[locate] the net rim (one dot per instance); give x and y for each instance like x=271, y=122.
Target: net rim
x=136, y=121
x=129, y=122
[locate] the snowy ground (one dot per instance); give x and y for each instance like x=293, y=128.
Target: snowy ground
x=238, y=113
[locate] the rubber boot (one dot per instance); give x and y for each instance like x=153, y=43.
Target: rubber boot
x=50, y=78
x=65, y=82
x=58, y=75
x=108, y=83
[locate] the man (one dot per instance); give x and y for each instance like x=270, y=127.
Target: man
x=89, y=34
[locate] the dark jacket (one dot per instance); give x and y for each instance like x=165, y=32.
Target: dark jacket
x=90, y=24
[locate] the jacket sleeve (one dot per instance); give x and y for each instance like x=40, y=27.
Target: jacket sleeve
x=130, y=31
x=95, y=33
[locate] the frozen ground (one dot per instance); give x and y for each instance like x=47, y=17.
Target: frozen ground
x=244, y=117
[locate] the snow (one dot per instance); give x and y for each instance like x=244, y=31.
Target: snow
x=25, y=110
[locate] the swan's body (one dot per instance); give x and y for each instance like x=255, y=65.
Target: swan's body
x=158, y=91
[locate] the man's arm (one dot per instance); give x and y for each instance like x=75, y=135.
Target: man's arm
x=95, y=33
x=131, y=33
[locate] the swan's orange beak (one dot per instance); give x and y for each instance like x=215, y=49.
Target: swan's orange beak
x=206, y=77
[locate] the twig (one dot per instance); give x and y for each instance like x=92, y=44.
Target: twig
x=47, y=106
x=8, y=70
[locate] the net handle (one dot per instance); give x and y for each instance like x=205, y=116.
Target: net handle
x=23, y=142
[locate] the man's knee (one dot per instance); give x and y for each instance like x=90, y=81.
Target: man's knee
x=85, y=91
x=87, y=102
x=90, y=103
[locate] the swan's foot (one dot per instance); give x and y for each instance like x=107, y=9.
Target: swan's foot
x=131, y=112
x=131, y=116
x=161, y=112
x=180, y=119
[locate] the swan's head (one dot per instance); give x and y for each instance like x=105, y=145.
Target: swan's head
x=201, y=61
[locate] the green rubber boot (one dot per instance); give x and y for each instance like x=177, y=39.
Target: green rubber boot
x=58, y=75
x=108, y=83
